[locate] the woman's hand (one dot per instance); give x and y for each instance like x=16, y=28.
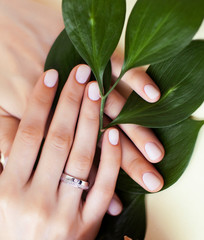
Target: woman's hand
x=137, y=155
x=34, y=204
x=18, y=84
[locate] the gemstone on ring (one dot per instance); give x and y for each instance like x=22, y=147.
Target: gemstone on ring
x=66, y=178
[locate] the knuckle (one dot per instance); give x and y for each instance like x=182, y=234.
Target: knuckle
x=60, y=231
x=72, y=97
x=60, y=140
x=8, y=201
x=82, y=162
x=114, y=104
x=91, y=114
x=30, y=134
x=38, y=211
x=41, y=99
x=105, y=191
x=134, y=165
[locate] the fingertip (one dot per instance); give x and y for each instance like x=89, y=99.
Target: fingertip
x=50, y=78
x=154, y=152
x=83, y=73
x=115, y=207
x=93, y=91
x=113, y=136
x=153, y=181
x=152, y=93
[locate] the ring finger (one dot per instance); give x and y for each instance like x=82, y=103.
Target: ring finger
x=83, y=150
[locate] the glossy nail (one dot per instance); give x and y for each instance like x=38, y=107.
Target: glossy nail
x=151, y=92
x=93, y=91
x=82, y=74
x=153, y=151
x=113, y=136
x=115, y=207
x=151, y=181
x=51, y=78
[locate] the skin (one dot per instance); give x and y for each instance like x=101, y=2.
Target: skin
x=135, y=160
x=18, y=129
x=33, y=205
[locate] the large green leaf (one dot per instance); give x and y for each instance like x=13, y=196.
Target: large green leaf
x=62, y=57
x=179, y=141
x=181, y=81
x=159, y=29
x=131, y=222
x=94, y=27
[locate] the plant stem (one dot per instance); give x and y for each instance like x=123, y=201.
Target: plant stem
x=115, y=84
x=103, y=101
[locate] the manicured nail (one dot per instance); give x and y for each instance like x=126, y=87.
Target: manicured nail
x=93, y=91
x=115, y=207
x=51, y=78
x=153, y=151
x=113, y=136
x=151, y=92
x=151, y=181
x=83, y=73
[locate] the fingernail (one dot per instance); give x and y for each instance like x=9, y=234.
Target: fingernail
x=51, y=78
x=93, y=91
x=151, y=181
x=83, y=73
x=115, y=207
x=113, y=136
x=153, y=151
x=151, y=92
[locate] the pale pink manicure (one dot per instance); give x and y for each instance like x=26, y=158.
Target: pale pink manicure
x=93, y=91
x=83, y=73
x=51, y=78
x=151, y=181
x=115, y=207
x=153, y=151
x=114, y=136
x=151, y=92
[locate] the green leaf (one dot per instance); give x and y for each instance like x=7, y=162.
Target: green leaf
x=131, y=222
x=181, y=81
x=94, y=27
x=159, y=29
x=178, y=141
x=63, y=57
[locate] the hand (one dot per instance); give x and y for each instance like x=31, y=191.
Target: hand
x=137, y=154
x=33, y=204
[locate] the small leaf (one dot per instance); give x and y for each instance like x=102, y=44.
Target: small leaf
x=131, y=222
x=178, y=141
x=160, y=29
x=181, y=81
x=63, y=57
x=94, y=27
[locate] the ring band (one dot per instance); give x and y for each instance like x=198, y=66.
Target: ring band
x=3, y=160
x=75, y=182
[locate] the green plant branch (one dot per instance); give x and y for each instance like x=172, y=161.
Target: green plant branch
x=103, y=101
x=115, y=84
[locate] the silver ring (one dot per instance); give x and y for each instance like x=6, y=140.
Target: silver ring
x=3, y=160
x=75, y=182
